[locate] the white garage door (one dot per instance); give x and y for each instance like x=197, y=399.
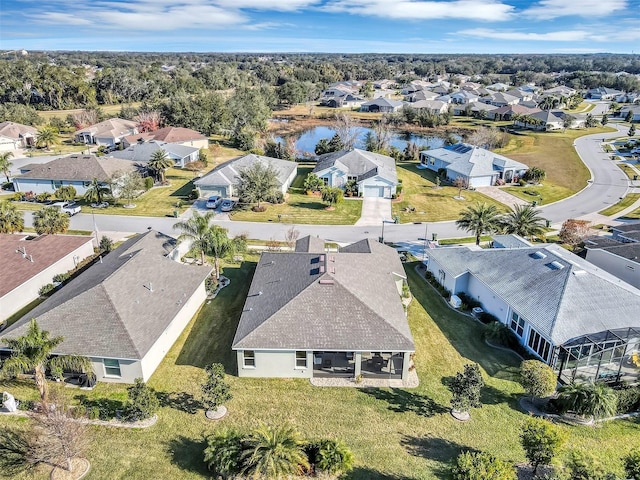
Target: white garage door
x=208, y=192
x=373, y=191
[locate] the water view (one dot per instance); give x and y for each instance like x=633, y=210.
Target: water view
x=309, y=139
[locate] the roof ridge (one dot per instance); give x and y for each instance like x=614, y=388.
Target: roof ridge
x=113, y=306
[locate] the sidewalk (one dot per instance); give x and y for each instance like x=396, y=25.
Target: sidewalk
x=501, y=196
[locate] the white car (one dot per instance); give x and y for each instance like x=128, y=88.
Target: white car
x=69, y=208
x=227, y=205
x=214, y=201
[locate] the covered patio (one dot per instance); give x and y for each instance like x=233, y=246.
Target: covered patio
x=611, y=356
x=384, y=365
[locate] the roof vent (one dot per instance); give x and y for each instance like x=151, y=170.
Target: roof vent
x=326, y=281
x=555, y=265
x=579, y=272
x=538, y=254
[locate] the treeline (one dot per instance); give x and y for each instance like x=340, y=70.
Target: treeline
x=65, y=80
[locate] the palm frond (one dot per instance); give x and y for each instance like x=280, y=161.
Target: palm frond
x=74, y=363
x=15, y=365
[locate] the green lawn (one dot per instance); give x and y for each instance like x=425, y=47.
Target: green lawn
x=395, y=434
x=430, y=203
x=628, y=170
x=302, y=208
x=627, y=201
x=543, y=193
x=635, y=215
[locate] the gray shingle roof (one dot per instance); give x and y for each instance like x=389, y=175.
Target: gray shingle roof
x=142, y=152
x=310, y=244
x=560, y=304
x=360, y=163
x=228, y=173
x=78, y=167
x=110, y=309
x=510, y=241
x=112, y=127
x=472, y=161
x=333, y=301
x=17, y=131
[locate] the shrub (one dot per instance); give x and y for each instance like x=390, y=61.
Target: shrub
x=486, y=317
x=628, y=400
x=93, y=413
x=17, y=197
x=537, y=378
x=148, y=183
x=215, y=391
x=632, y=464
x=26, y=405
x=587, y=399
x=583, y=466
x=43, y=197
x=46, y=289
x=480, y=465
x=223, y=454
x=330, y=456
x=465, y=388
x=522, y=182
x=61, y=277
x=106, y=244
x=274, y=197
x=194, y=194
x=499, y=333
x=143, y=402
x=541, y=441
x=468, y=300
x=399, y=189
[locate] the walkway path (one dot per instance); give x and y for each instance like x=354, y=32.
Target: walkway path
x=502, y=196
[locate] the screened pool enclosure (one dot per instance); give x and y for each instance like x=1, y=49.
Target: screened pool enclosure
x=611, y=356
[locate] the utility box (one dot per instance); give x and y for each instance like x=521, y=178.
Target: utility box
x=455, y=301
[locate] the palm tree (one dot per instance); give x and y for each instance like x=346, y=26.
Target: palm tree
x=159, y=162
x=197, y=230
x=274, y=453
x=50, y=220
x=11, y=220
x=95, y=191
x=588, y=399
x=5, y=164
x=479, y=219
x=33, y=352
x=47, y=136
x=220, y=245
x=523, y=220
x=333, y=457
x=224, y=452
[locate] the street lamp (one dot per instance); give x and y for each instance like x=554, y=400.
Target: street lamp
x=382, y=236
x=95, y=228
x=424, y=250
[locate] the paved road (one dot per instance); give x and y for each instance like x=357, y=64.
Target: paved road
x=608, y=186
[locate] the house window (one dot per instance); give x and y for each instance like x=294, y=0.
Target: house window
x=517, y=324
x=352, y=177
x=249, y=359
x=56, y=184
x=539, y=345
x=301, y=359
x=111, y=367
x=432, y=161
x=325, y=180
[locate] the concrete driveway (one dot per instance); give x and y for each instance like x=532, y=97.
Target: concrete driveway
x=374, y=211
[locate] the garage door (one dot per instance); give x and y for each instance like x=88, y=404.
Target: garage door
x=208, y=192
x=373, y=191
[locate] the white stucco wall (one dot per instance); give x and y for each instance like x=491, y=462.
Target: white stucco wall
x=623, y=268
x=275, y=364
x=45, y=186
x=449, y=281
x=491, y=302
x=289, y=180
x=162, y=345
x=28, y=291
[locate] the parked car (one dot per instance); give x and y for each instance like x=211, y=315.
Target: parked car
x=214, y=201
x=69, y=208
x=227, y=205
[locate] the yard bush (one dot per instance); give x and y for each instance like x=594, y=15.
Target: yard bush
x=148, y=183
x=486, y=318
x=274, y=197
x=329, y=456
x=46, y=289
x=61, y=277
x=481, y=466
x=498, y=333
x=143, y=402
x=468, y=300
x=632, y=464
x=628, y=400
x=522, y=182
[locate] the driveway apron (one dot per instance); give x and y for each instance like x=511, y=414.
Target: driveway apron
x=374, y=211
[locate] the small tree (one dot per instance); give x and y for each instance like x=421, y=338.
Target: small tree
x=159, y=162
x=541, y=441
x=223, y=454
x=11, y=219
x=50, y=220
x=535, y=175
x=47, y=136
x=142, y=403
x=274, y=453
x=629, y=116
x=5, y=164
x=632, y=464
x=96, y=191
x=605, y=119
x=460, y=183
x=481, y=466
x=106, y=244
x=537, y=378
x=215, y=391
x=291, y=237
x=632, y=131
x=332, y=195
x=466, y=387
x=313, y=183
x=574, y=231
x=66, y=193
x=127, y=185
x=330, y=456
x=257, y=182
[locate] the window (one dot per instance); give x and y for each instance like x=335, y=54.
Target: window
x=325, y=180
x=56, y=184
x=517, y=324
x=352, y=177
x=249, y=359
x=301, y=359
x=539, y=345
x=111, y=367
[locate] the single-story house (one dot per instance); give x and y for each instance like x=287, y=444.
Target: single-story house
x=337, y=98
x=551, y=120
x=603, y=93
x=30, y=262
x=421, y=95
x=14, y=136
x=479, y=167
x=109, y=132
x=464, y=97
x=179, y=135
x=125, y=312
x=561, y=91
x=310, y=313
x=500, y=99
x=431, y=106
x=509, y=111
x=635, y=112
x=77, y=171
x=381, y=105
x=621, y=259
x=498, y=87
x=222, y=180
x=142, y=152
x=474, y=109
x=570, y=314
x=374, y=174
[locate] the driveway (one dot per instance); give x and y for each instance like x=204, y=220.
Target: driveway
x=374, y=211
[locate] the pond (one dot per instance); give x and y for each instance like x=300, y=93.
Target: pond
x=307, y=142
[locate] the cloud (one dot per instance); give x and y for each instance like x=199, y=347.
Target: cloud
x=547, y=9
x=60, y=18
x=277, y=5
x=482, y=10
x=559, y=36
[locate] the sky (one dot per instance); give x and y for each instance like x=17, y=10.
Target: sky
x=337, y=26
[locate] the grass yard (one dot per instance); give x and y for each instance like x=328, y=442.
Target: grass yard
x=555, y=154
x=430, y=203
x=635, y=215
x=628, y=170
x=626, y=202
x=395, y=434
x=304, y=209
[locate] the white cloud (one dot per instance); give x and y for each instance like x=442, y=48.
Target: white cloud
x=559, y=36
x=278, y=5
x=546, y=9
x=59, y=18
x=483, y=10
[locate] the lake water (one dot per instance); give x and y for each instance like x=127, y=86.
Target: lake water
x=309, y=139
